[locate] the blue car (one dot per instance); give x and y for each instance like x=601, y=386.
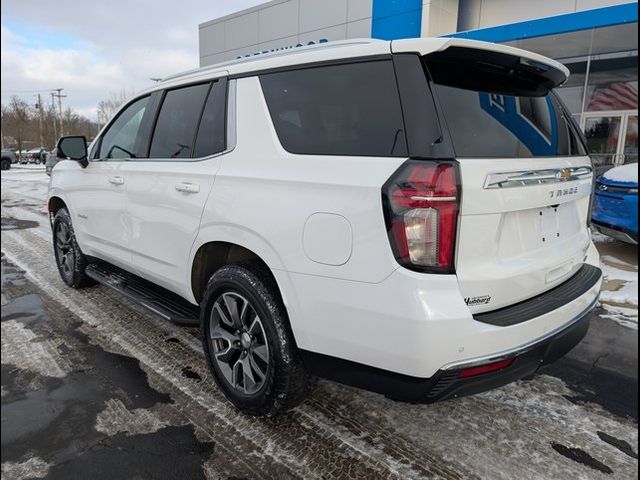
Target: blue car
x=615, y=208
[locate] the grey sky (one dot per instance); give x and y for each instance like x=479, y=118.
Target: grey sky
x=91, y=48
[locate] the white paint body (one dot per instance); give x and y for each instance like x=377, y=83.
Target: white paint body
x=317, y=222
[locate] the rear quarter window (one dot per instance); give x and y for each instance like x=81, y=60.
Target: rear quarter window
x=350, y=109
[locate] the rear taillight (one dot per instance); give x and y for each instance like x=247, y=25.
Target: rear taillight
x=421, y=211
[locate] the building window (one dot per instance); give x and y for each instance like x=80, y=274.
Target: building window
x=613, y=85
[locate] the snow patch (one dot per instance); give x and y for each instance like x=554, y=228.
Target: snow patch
x=35, y=467
x=627, y=317
x=627, y=295
x=598, y=237
x=624, y=174
x=24, y=349
x=28, y=166
x=117, y=418
x=613, y=273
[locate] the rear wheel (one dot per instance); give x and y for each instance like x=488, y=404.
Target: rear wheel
x=6, y=164
x=70, y=260
x=249, y=344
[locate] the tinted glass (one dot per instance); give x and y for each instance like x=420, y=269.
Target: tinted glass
x=211, y=133
x=119, y=141
x=492, y=125
x=350, y=109
x=175, y=129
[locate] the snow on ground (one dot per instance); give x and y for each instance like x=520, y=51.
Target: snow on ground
x=613, y=273
x=27, y=166
x=600, y=238
x=20, y=346
x=624, y=174
x=34, y=467
x=627, y=317
x=33, y=182
x=628, y=293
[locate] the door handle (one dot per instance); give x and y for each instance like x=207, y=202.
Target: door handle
x=116, y=180
x=187, y=187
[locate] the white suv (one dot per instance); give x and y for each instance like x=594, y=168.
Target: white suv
x=409, y=217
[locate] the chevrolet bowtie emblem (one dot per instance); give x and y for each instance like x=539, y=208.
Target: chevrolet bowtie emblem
x=565, y=175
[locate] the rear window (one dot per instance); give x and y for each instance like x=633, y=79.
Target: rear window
x=500, y=107
x=351, y=109
x=492, y=125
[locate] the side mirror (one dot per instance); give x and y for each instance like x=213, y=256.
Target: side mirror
x=73, y=148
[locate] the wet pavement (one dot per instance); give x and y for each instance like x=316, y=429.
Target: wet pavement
x=80, y=410
x=95, y=387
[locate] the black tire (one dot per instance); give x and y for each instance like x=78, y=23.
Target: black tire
x=285, y=382
x=6, y=164
x=70, y=260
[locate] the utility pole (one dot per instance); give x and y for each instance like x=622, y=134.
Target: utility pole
x=39, y=107
x=60, y=97
x=53, y=110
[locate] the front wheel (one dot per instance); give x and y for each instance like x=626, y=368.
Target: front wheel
x=249, y=344
x=70, y=260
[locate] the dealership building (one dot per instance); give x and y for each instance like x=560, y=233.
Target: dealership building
x=596, y=39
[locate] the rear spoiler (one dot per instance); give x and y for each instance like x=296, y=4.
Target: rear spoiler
x=535, y=73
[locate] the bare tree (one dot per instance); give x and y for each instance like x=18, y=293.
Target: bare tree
x=21, y=125
x=109, y=107
x=18, y=116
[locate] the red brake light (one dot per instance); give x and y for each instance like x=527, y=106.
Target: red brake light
x=488, y=368
x=421, y=208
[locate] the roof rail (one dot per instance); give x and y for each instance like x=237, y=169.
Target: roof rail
x=272, y=54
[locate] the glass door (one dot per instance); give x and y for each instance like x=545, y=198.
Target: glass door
x=612, y=138
x=630, y=151
x=603, y=140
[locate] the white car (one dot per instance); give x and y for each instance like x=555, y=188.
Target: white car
x=409, y=217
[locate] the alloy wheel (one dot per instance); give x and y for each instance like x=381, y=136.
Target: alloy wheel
x=64, y=249
x=238, y=343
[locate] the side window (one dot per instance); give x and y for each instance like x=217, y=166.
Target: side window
x=175, y=130
x=211, y=133
x=351, y=109
x=119, y=141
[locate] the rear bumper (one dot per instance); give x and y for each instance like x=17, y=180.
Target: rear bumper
x=527, y=360
x=447, y=382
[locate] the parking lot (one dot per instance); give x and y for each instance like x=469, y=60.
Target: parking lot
x=95, y=387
